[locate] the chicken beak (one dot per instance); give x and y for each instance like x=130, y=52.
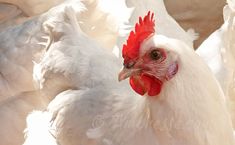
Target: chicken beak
x=126, y=73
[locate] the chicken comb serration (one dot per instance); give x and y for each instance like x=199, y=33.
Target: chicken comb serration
x=143, y=29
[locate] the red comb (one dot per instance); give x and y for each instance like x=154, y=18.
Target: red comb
x=143, y=29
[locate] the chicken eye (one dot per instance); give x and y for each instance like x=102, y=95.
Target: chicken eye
x=155, y=54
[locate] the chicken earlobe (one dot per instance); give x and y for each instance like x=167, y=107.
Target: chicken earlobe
x=172, y=70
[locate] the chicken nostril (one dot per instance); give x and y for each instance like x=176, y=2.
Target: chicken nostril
x=129, y=65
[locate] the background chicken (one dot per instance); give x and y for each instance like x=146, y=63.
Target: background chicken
x=19, y=45
x=166, y=24
x=159, y=68
x=25, y=47
x=197, y=14
x=218, y=52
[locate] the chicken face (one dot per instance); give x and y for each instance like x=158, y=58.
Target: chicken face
x=146, y=62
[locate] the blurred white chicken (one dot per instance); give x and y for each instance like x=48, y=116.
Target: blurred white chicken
x=53, y=70
x=219, y=53
x=18, y=46
x=21, y=44
x=166, y=24
x=29, y=44
x=183, y=105
x=25, y=43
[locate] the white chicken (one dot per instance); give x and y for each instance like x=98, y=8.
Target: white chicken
x=53, y=70
x=19, y=45
x=25, y=43
x=197, y=14
x=166, y=24
x=182, y=103
x=29, y=42
x=218, y=52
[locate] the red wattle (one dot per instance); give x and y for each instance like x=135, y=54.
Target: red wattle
x=152, y=84
x=146, y=83
x=136, y=85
